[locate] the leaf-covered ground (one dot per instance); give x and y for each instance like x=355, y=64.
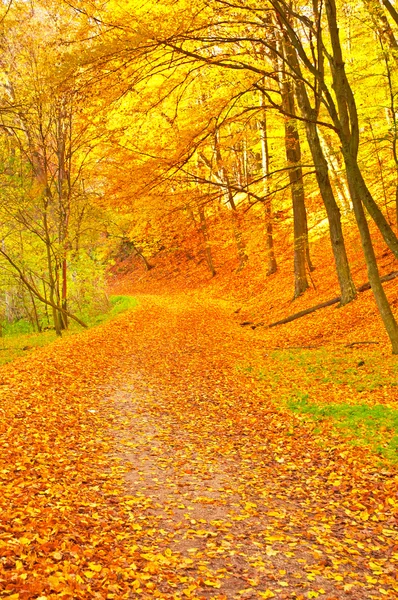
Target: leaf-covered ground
x=171, y=454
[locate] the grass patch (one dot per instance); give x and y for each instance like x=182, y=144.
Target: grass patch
x=354, y=389
x=15, y=345
x=18, y=339
x=346, y=367
x=374, y=426
x=118, y=305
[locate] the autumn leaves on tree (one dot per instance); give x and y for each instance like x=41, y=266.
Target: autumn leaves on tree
x=177, y=125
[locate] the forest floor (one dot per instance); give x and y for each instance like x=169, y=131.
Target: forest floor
x=171, y=453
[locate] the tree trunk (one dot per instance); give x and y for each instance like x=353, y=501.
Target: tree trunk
x=391, y=10
x=336, y=169
x=381, y=24
x=349, y=135
x=356, y=182
x=35, y=313
x=348, y=130
x=371, y=263
x=138, y=253
x=347, y=287
x=205, y=235
x=64, y=299
x=52, y=283
x=228, y=193
x=269, y=238
x=293, y=156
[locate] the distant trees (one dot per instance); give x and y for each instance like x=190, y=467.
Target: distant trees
x=194, y=118
x=47, y=140
x=302, y=63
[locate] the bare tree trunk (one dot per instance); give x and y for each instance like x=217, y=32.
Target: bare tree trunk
x=371, y=263
x=381, y=24
x=228, y=193
x=46, y=305
x=64, y=299
x=391, y=10
x=265, y=162
x=293, y=156
x=356, y=182
x=346, y=283
x=51, y=279
x=347, y=287
x=381, y=174
x=349, y=135
x=148, y=266
x=35, y=313
x=205, y=235
x=336, y=169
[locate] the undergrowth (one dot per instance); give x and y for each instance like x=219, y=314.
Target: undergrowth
x=18, y=338
x=374, y=426
x=352, y=389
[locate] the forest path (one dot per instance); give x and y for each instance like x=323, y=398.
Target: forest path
x=153, y=457
x=240, y=490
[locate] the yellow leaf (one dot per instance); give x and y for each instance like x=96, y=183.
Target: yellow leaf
x=24, y=542
x=54, y=582
x=210, y=583
x=267, y=594
x=95, y=567
x=89, y=574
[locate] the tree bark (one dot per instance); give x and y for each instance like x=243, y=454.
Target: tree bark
x=224, y=177
x=336, y=169
x=371, y=263
x=382, y=25
x=205, y=235
x=293, y=157
x=391, y=10
x=347, y=287
x=349, y=135
x=269, y=238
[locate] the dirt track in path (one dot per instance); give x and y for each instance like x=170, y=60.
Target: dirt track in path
x=230, y=496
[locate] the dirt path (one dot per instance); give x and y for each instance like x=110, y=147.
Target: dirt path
x=185, y=478
x=230, y=497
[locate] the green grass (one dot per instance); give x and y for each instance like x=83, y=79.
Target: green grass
x=118, y=305
x=19, y=344
x=343, y=386
x=345, y=368
x=374, y=426
x=18, y=339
